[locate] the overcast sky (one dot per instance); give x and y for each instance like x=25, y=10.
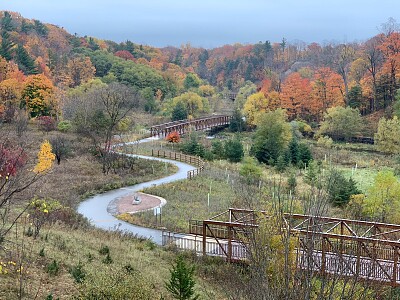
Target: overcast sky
x=211, y=23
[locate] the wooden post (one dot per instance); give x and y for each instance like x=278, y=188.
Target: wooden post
x=358, y=262
x=341, y=240
x=152, y=152
x=395, y=260
x=204, y=238
x=323, y=257
x=229, y=244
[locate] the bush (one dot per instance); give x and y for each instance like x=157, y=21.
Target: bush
x=173, y=137
x=193, y=147
x=53, y=268
x=104, y=250
x=64, y=126
x=46, y=123
x=250, y=170
x=78, y=273
x=113, y=283
x=107, y=260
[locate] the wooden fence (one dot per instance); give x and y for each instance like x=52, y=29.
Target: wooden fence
x=189, y=159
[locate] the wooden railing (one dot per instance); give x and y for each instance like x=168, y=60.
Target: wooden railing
x=189, y=159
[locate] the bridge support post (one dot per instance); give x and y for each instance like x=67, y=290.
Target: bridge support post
x=323, y=257
x=229, y=244
x=359, y=245
x=204, y=238
x=395, y=260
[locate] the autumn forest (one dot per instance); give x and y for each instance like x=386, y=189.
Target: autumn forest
x=314, y=129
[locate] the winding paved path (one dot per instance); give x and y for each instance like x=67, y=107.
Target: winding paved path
x=97, y=209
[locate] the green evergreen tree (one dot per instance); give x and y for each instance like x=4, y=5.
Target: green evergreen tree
x=294, y=151
x=217, y=149
x=6, y=22
x=40, y=28
x=237, y=123
x=191, y=81
x=305, y=155
x=340, y=189
x=280, y=164
x=25, y=63
x=292, y=183
x=25, y=26
x=6, y=45
x=179, y=112
x=233, y=150
x=181, y=284
x=93, y=45
x=272, y=137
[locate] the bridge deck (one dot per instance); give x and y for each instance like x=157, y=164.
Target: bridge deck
x=361, y=249
x=184, y=126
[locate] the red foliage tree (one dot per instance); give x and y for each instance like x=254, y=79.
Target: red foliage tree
x=125, y=55
x=11, y=160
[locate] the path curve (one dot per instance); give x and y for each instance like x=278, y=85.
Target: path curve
x=96, y=208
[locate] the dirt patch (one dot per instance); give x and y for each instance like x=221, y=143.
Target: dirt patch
x=124, y=204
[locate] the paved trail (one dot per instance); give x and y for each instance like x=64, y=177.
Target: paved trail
x=97, y=210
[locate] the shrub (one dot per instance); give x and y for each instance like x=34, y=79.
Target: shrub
x=104, y=250
x=78, y=273
x=173, y=137
x=341, y=123
x=193, y=147
x=250, y=170
x=233, y=150
x=64, y=126
x=53, y=268
x=107, y=260
x=46, y=123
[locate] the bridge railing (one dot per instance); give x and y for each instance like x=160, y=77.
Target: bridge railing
x=216, y=231
x=211, y=247
x=189, y=159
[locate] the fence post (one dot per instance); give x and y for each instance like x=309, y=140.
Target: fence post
x=152, y=152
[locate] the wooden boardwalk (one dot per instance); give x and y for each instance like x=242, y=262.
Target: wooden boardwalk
x=332, y=246
x=184, y=126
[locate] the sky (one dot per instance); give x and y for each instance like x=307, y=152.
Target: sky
x=213, y=23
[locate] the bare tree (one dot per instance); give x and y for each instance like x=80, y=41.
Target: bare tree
x=374, y=58
x=97, y=114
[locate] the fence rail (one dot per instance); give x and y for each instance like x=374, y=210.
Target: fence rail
x=189, y=159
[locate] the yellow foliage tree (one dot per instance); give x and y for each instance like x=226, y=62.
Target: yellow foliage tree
x=387, y=139
x=255, y=104
x=45, y=158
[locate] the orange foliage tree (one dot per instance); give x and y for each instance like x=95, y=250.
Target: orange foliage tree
x=173, y=137
x=80, y=70
x=390, y=48
x=327, y=91
x=296, y=97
